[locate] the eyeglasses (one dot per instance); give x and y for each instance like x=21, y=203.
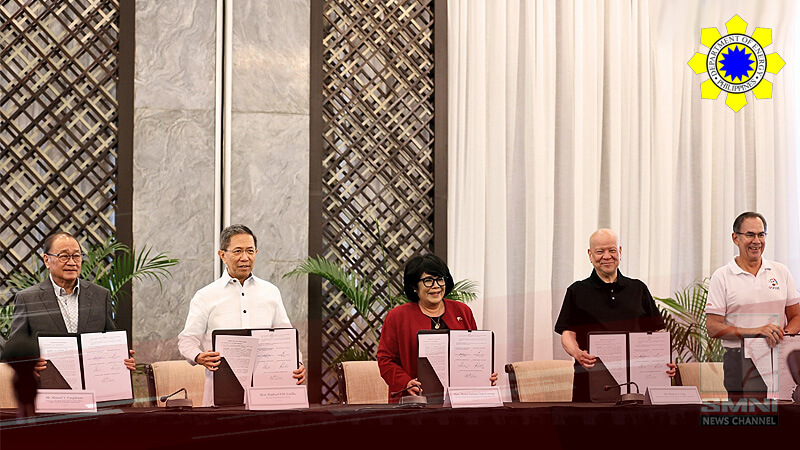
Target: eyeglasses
x=751, y=235
x=239, y=251
x=63, y=258
x=428, y=281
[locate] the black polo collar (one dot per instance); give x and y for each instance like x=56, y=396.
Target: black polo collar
x=598, y=282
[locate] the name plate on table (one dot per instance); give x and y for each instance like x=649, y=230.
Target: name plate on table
x=64, y=401
x=473, y=397
x=672, y=395
x=277, y=398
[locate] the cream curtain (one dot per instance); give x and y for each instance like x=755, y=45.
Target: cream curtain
x=569, y=115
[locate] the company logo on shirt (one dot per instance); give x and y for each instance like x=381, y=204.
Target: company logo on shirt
x=773, y=284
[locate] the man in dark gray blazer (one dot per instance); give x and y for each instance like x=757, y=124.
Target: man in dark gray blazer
x=36, y=310
x=62, y=303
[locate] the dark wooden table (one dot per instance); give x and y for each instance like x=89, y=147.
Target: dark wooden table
x=528, y=425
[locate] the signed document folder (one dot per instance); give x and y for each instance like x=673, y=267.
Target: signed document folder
x=433, y=363
x=87, y=361
x=258, y=357
x=633, y=361
x=453, y=358
x=765, y=369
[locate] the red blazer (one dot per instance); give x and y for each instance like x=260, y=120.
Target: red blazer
x=397, y=350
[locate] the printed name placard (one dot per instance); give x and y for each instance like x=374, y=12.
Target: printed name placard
x=672, y=395
x=277, y=398
x=64, y=401
x=473, y=397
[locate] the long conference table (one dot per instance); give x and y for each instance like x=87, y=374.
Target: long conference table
x=525, y=425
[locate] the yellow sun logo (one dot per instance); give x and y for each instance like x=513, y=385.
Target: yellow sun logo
x=736, y=63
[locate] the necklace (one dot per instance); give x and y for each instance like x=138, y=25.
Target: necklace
x=436, y=321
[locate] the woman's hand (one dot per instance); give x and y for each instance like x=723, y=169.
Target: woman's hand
x=414, y=387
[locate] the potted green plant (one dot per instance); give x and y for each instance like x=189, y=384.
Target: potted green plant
x=110, y=264
x=685, y=319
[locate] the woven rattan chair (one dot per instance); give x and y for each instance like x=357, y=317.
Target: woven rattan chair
x=166, y=377
x=540, y=381
x=707, y=376
x=360, y=383
x=7, y=397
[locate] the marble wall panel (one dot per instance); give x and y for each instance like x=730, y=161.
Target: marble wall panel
x=173, y=213
x=269, y=192
x=173, y=163
x=175, y=54
x=270, y=56
x=174, y=152
x=269, y=133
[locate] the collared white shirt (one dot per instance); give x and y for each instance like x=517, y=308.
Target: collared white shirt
x=227, y=304
x=746, y=300
x=68, y=304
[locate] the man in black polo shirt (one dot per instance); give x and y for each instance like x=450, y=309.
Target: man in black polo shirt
x=606, y=301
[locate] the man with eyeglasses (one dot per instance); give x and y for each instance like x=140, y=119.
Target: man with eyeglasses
x=750, y=296
x=238, y=299
x=63, y=303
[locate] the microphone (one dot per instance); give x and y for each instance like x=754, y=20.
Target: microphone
x=627, y=399
x=395, y=394
x=177, y=403
x=411, y=400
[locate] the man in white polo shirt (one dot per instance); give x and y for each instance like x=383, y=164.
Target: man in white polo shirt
x=238, y=299
x=750, y=296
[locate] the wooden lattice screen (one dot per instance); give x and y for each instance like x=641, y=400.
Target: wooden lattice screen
x=377, y=158
x=58, y=125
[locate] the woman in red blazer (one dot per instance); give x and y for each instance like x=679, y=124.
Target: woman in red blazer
x=426, y=282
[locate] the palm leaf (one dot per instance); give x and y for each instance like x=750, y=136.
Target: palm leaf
x=130, y=264
x=352, y=354
x=676, y=309
x=22, y=280
x=359, y=292
x=464, y=291
x=683, y=340
x=6, y=314
x=34, y=275
x=99, y=257
x=685, y=319
x=397, y=300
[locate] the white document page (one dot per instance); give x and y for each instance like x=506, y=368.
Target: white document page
x=766, y=362
x=434, y=346
x=240, y=352
x=471, y=354
x=786, y=384
x=649, y=355
x=103, y=367
x=612, y=350
x=276, y=357
x=63, y=354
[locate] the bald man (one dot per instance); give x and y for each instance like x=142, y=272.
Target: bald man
x=606, y=301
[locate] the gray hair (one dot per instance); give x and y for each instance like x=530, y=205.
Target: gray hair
x=48, y=242
x=231, y=231
x=737, y=224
